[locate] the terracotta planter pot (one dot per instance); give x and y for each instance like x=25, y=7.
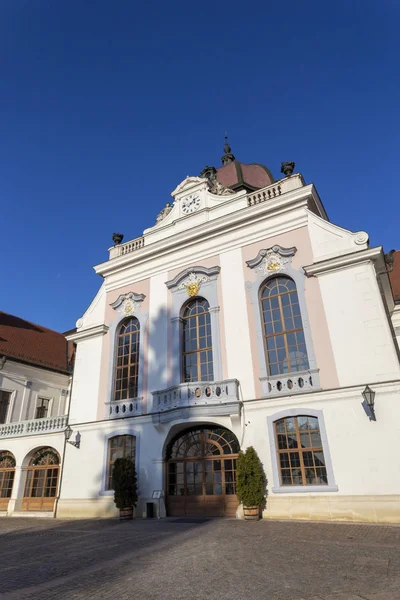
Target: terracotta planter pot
x=251, y=513
x=126, y=514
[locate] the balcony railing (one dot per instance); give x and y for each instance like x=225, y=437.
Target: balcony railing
x=294, y=383
x=33, y=427
x=124, y=408
x=199, y=393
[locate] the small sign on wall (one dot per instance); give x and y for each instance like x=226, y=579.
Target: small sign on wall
x=157, y=494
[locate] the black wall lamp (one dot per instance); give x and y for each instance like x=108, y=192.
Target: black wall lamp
x=369, y=402
x=68, y=433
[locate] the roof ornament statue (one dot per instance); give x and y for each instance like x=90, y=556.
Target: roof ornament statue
x=228, y=156
x=215, y=186
x=164, y=212
x=287, y=168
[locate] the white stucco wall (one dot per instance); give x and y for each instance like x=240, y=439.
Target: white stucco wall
x=236, y=323
x=158, y=335
x=27, y=384
x=360, y=334
x=85, y=388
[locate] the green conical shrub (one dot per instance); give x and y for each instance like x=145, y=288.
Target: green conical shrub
x=250, y=478
x=125, y=483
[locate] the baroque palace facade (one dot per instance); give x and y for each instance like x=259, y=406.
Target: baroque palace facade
x=242, y=317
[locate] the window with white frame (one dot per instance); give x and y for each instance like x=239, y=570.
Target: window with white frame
x=301, y=460
x=5, y=398
x=42, y=408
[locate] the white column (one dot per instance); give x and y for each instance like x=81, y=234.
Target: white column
x=158, y=335
x=237, y=335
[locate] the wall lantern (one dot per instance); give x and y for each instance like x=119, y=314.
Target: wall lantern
x=68, y=433
x=369, y=402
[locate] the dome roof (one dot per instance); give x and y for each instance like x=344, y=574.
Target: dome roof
x=237, y=175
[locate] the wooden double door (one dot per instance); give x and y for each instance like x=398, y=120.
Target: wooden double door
x=41, y=481
x=201, y=473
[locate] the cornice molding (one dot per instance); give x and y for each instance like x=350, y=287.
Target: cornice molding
x=86, y=334
x=281, y=205
x=343, y=261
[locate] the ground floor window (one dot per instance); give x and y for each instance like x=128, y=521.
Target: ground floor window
x=119, y=446
x=301, y=458
x=41, y=480
x=7, y=472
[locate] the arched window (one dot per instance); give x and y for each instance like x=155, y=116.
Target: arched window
x=197, y=355
x=7, y=471
x=300, y=454
x=285, y=345
x=127, y=368
x=119, y=446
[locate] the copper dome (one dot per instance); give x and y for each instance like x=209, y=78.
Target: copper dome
x=238, y=176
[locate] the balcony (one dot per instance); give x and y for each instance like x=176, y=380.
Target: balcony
x=124, y=408
x=199, y=397
x=33, y=427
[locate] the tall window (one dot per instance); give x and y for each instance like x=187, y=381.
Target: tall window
x=4, y=403
x=197, y=356
x=120, y=446
x=300, y=453
x=285, y=346
x=127, y=370
x=7, y=471
x=42, y=408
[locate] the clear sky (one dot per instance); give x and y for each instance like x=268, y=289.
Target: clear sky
x=105, y=106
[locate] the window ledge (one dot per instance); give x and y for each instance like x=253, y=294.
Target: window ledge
x=292, y=489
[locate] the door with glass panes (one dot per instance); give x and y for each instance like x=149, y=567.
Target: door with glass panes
x=201, y=473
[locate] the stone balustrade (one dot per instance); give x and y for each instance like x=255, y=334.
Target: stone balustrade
x=127, y=248
x=265, y=194
x=199, y=393
x=292, y=384
x=124, y=408
x=33, y=427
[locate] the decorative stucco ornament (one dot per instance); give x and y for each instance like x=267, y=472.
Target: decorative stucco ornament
x=271, y=263
x=127, y=304
x=193, y=283
x=219, y=189
x=164, y=212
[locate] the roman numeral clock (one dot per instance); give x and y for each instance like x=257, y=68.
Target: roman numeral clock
x=191, y=203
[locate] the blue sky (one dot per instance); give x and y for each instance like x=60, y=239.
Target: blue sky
x=106, y=106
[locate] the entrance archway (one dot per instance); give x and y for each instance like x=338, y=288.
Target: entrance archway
x=41, y=480
x=201, y=473
x=7, y=472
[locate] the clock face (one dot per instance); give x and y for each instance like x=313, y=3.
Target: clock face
x=190, y=204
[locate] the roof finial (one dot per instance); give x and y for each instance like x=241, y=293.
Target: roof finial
x=228, y=156
x=227, y=147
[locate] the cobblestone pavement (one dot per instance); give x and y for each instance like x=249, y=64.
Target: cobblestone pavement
x=216, y=559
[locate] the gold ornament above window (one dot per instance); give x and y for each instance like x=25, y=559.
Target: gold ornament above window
x=193, y=283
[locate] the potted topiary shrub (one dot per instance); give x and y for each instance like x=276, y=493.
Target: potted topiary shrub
x=250, y=483
x=125, y=487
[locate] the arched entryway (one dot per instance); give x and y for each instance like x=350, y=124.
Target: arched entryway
x=7, y=472
x=41, y=480
x=201, y=472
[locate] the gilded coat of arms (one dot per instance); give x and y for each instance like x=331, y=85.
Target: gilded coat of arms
x=193, y=283
x=272, y=261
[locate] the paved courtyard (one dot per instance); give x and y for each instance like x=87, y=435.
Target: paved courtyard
x=221, y=559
